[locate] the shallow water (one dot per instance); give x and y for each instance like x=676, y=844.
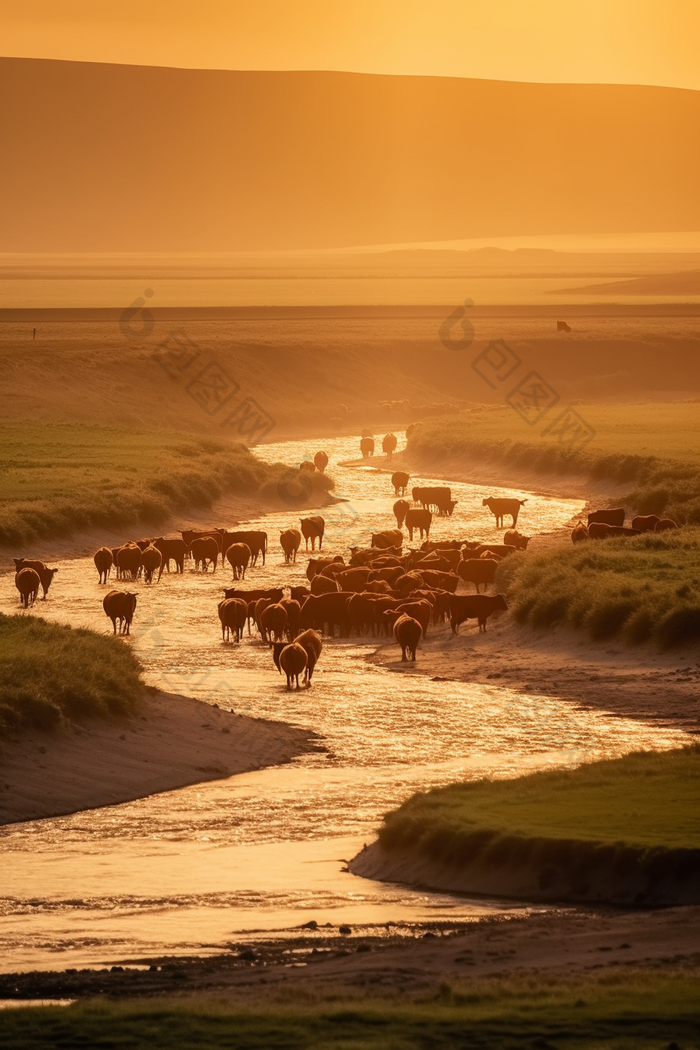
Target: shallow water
x=188, y=871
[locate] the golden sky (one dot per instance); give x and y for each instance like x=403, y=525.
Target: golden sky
x=561, y=41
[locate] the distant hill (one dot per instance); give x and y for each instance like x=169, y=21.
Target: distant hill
x=686, y=283
x=128, y=158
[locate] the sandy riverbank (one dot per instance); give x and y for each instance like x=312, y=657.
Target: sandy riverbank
x=173, y=741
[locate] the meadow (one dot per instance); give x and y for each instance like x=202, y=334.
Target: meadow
x=643, y=801
x=620, y=1009
x=652, y=449
x=50, y=674
x=57, y=479
x=644, y=588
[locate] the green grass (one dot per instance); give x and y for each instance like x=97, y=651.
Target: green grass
x=646, y=800
x=641, y=588
x=615, y=1009
x=49, y=673
x=56, y=479
x=655, y=449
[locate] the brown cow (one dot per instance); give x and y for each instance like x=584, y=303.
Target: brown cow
x=313, y=529
x=120, y=605
x=387, y=538
x=515, y=539
x=233, y=613
x=290, y=540
x=293, y=661
x=478, y=571
x=323, y=585
x=444, y=581
x=27, y=582
x=665, y=524
x=255, y=538
x=500, y=549
x=407, y=633
x=389, y=445
x=273, y=621
x=321, y=461
x=353, y=579
x=579, y=533
x=151, y=559
x=500, y=507
x=400, y=479
x=103, y=562
x=421, y=610
x=317, y=565
x=205, y=549
x=419, y=519
x=401, y=507
x=293, y=610
x=238, y=555
x=474, y=607
x=367, y=447
x=171, y=550
x=321, y=611
x=607, y=517
x=645, y=522
x=46, y=575
x=273, y=593
x=128, y=561
x=312, y=644
x=598, y=530
x=299, y=593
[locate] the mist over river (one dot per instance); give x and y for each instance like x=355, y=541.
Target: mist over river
x=191, y=870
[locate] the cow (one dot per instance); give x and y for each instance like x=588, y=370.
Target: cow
x=151, y=560
x=400, y=479
x=128, y=561
x=562, y=326
x=205, y=550
x=367, y=447
x=478, y=571
x=290, y=540
x=103, y=562
x=46, y=574
x=308, y=465
x=665, y=524
x=317, y=565
x=238, y=555
x=579, y=533
x=321, y=461
x=389, y=444
x=598, y=530
x=233, y=613
x=645, y=522
x=420, y=609
x=27, y=582
x=353, y=579
x=313, y=529
x=475, y=607
x=120, y=605
x=273, y=622
x=275, y=594
x=607, y=517
x=293, y=610
x=417, y=518
x=407, y=633
x=497, y=549
x=387, y=538
x=299, y=593
x=312, y=644
x=434, y=497
x=293, y=661
x=443, y=581
x=321, y=584
x=400, y=508
x=515, y=539
x=255, y=538
x=499, y=507
x=321, y=611
x=188, y=535
x=171, y=550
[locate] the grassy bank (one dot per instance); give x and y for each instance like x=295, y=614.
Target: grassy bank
x=57, y=479
x=652, y=449
x=624, y=830
x=640, y=589
x=50, y=673
x=620, y=1009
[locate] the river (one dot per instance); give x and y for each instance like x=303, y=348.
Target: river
x=190, y=871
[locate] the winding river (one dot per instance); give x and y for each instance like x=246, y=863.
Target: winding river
x=189, y=871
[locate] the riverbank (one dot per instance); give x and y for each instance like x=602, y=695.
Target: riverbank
x=624, y=831
x=171, y=742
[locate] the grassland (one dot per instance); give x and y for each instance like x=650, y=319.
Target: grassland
x=50, y=673
x=56, y=479
x=618, y=1009
x=647, y=800
x=644, y=588
x=653, y=449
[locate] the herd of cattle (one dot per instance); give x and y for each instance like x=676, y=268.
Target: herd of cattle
x=380, y=589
